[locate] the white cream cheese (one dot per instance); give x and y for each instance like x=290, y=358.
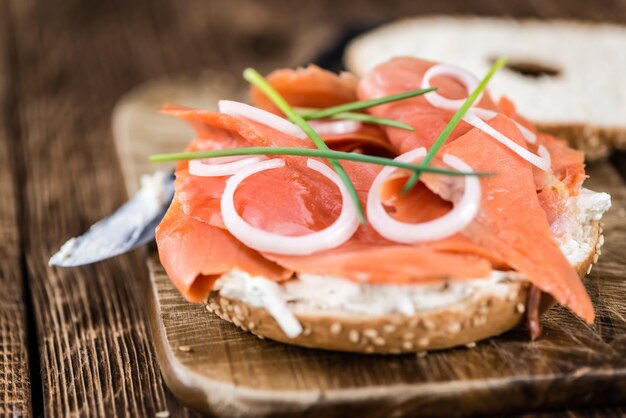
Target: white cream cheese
x=262, y=293
x=588, y=206
x=311, y=291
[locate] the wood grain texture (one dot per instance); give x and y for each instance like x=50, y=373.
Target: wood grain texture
x=215, y=367
x=94, y=345
x=74, y=59
x=15, y=398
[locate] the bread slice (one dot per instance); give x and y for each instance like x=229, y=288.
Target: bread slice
x=565, y=76
x=483, y=314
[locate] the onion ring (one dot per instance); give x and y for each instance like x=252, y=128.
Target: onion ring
x=211, y=168
x=335, y=127
x=477, y=116
x=408, y=233
x=261, y=116
x=334, y=235
x=465, y=77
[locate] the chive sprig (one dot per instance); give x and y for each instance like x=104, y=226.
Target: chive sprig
x=308, y=152
x=256, y=79
x=452, y=124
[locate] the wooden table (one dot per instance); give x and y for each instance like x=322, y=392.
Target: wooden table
x=75, y=342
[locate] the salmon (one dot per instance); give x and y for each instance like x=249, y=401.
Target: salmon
x=195, y=253
x=568, y=164
x=404, y=74
x=310, y=87
x=296, y=200
x=512, y=230
x=512, y=221
x=313, y=87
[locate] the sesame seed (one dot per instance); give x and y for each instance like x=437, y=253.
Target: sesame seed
x=407, y=345
x=423, y=342
x=479, y=320
x=238, y=310
x=454, y=327
x=470, y=345
x=353, y=335
x=421, y=354
x=185, y=348
x=307, y=331
x=162, y=414
x=335, y=328
x=369, y=349
x=429, y=324
x=379, y=341
x=251, y=325
x=370, y=333
x=520, y=308
x=589, y=269
x=389, y=328
x=408, y=336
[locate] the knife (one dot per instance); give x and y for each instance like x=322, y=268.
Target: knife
x=131, y=226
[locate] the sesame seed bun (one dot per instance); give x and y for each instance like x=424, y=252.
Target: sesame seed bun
x=481, y=315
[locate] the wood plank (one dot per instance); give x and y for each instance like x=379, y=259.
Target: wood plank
x=96, y=354
x=232, y=372
x=15, y=391
x=76, y=59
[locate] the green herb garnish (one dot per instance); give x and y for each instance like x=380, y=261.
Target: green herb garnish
x=256, y=79
x=308, y=152
x=361, y=117
x=365, y=104
x=501, y=62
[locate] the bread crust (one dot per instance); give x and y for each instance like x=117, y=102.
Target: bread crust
x=596, y=142
x=477, y=317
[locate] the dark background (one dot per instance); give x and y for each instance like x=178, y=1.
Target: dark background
x=76, y=342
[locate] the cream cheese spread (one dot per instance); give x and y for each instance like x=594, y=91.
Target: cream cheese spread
x=311, y=291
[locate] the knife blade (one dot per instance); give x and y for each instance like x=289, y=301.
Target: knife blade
x=131, y=226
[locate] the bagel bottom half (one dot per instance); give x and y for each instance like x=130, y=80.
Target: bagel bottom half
x=481, y=315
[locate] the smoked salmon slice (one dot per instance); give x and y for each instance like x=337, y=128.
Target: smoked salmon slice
x=511, y=221
x=512, y=230
x=295, y=200
x=313, y=87
x=195, y=253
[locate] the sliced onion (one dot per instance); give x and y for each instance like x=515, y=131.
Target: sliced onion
x=486, y=114
x=534, y=159
x=465, y=77
x=336, y=234
x=223, y=160
x=259, y=115
x=212, y=169
x=475, y=116
x=335, y=127
x=458, y=218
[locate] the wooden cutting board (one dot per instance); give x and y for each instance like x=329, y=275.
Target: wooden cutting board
x=217, y=368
